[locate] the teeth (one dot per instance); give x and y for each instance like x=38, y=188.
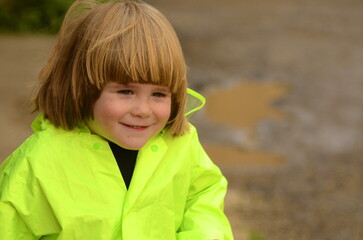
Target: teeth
x=136, y=126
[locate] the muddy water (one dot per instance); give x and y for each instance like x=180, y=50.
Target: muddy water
x=244, y=106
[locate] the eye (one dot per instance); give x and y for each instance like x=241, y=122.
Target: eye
x=125, y=92
x=159, y=94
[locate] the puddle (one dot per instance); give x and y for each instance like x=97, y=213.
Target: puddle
x=244, y=106
x=228, y=156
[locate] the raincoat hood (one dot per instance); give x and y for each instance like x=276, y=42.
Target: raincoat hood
x=195, y=102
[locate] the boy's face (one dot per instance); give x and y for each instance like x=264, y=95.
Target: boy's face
x=129, y=115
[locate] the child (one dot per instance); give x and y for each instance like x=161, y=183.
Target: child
x=112, y=155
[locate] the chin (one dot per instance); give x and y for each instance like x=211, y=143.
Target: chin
x=131, y=146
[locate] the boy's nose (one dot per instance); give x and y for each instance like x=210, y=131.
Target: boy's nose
x=141, y=108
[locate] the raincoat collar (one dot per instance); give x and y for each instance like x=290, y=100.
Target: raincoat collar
x=148, y=160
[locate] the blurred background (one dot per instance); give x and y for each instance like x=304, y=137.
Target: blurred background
x=283, y=81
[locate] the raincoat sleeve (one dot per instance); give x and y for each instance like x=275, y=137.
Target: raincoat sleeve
x=24, y=211
x=204, y=217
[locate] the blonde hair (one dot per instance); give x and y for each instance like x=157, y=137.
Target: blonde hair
x=121, y=41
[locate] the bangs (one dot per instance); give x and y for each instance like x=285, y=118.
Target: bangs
x=144, y=49
x=119, y=41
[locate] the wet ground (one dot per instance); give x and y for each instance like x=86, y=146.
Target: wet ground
x=284, y=120
x=307, y=181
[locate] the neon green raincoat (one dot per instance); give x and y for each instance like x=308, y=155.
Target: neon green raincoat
x=66, y=185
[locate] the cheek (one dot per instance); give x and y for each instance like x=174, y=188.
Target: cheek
x=162, y=110
x=98, y=112
x=106, y=110
x=166, y=111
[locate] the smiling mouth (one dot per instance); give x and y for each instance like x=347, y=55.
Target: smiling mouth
x=136, y=127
